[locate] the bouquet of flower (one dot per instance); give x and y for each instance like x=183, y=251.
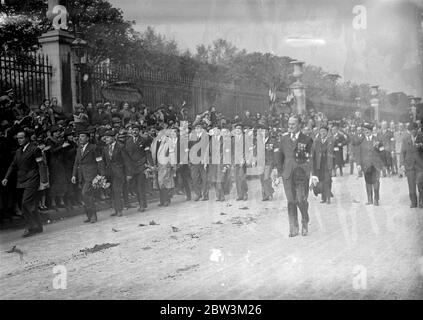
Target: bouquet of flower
x=149, y=172
x=100, y=182
x=378, y=146
x=276, y=181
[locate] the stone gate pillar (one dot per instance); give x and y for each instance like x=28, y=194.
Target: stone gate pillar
x=57, y=45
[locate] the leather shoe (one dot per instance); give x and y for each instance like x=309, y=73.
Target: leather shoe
x=265, y=199
x=238, y=199
x=114, y=214
x=328, y=200
x=87, y=220
x=141, y=209
x=246, y=197
x=28, y=233
x=119, y=214
x=38, y=230
x=197, y=198
x=205, y=199
x=291, y=235
x=304, y=231
x=413, y=205
x=376, y=203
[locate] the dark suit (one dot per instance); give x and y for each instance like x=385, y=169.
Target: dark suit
x=412, y=160
x=198, y=172
x=86, y=167
x=387, y=139
x=339, y=142
x=27, y=165
x=369, y=158
x=183, y=172
x=323, y=164
x=357, y=139
x=271, y=152
x=295, y=169
x=116, y=167
x=240, y=170
x=139, y=156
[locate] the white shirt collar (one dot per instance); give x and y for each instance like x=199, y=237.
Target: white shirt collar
x=25, y=146
x=295, y=135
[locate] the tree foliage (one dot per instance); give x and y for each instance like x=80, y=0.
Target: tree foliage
x=111, y=37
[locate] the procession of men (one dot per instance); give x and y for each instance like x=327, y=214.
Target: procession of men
x=192, y=159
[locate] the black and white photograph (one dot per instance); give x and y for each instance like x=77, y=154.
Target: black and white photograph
x=211, y=150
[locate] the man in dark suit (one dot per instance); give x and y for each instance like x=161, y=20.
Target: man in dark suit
x=294, y=165
x=199, y=139
x=182, y=170
x=271, y=151
x=116, y=163
x=411, y=160
x=138, y=149
x=27, y=164
x=369, y=160
x=323, y=162
x=386, y=137
x=339, y=141
x=88, y=164
x=240, y=165
x=357, y=139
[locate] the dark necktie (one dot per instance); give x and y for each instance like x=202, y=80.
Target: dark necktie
x=111, y=151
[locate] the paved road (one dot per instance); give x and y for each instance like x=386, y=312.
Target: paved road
x=230, y=250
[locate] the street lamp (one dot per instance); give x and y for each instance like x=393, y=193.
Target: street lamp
x=79, y=46
x=333, y=77
x=298, y=88
x=413, y=110
x=374, y=101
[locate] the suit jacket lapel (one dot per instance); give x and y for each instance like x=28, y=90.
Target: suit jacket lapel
x=86, y=151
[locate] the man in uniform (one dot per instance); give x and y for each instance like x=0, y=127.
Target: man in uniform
x=137, y=148
x=369, y=160
x=88, y=164
x=412, y=163
x=27, y=165
x=294, y=165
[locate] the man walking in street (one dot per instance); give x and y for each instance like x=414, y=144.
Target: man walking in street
x=412, y=164
x=399, y=135
x=27, y=165
x=294, y=165
x=386, y=137
x=116, y=163
x=369, y=160
x=88, y=164
x=323, y=162
x=240, y=165
x=199, y=170
x=137, y=148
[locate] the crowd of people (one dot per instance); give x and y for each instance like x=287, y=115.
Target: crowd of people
x=52, y=157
